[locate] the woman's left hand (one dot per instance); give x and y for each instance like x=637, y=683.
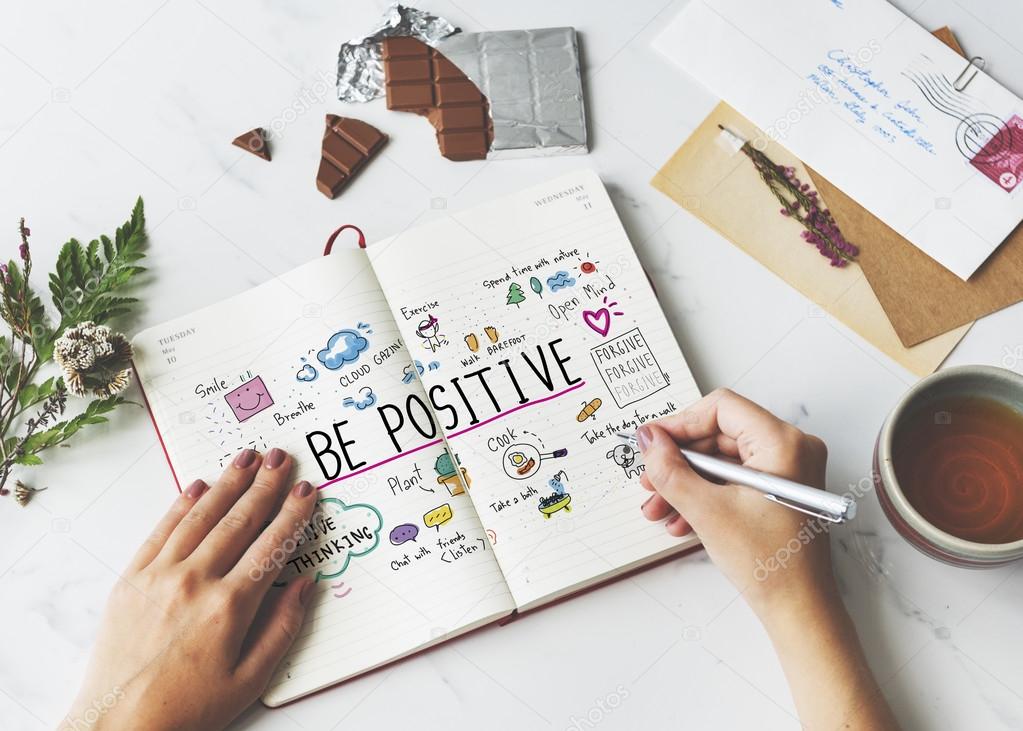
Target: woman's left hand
x=192, y=633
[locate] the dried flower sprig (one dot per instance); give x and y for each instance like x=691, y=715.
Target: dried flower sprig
x=804, y=205
x=86, y=289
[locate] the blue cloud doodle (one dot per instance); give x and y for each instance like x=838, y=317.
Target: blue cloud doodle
x=307, y=373
x=344, y=346
x=368, y=399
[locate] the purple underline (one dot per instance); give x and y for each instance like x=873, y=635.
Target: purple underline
x=468, y=429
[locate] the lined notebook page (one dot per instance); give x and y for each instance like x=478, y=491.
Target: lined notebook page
x=305, y=362
x=548, y=339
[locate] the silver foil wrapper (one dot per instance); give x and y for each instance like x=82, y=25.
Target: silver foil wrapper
x=533, y=82
x=360, y=67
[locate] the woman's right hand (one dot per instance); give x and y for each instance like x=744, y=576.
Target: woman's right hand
x=765, y=549
x=778, y=558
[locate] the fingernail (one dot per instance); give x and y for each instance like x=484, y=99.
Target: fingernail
x=644, y=436
x=302, y=489
x=275, y=458
x=196, y=489
x=244, y=458
x=646, y=502
x=307, y=591
x=674, y=519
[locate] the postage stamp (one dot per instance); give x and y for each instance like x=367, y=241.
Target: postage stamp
x=1001, y=157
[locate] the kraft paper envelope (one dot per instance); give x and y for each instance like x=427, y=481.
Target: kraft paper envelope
x=870, y=100
x=720, y=186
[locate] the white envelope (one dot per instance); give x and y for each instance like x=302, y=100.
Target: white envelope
x=864, y=95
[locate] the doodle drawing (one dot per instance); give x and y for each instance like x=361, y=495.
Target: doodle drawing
x=589, y=411
x=536, y=286
x=366, y=399
x=599, y=321
x=429, y=331
x=307, y=373
x=522, y=461
x=343, y=347
x=559, y=499
x=249, y=399
x=447, y=470
x=438, y=516
x=625, y=457
x=403, y=533
x=515, y=295
x=472, y=342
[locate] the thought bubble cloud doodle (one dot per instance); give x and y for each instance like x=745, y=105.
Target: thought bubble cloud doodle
x=352, y=531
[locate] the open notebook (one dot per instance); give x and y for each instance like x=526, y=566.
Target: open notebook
x=455, y=390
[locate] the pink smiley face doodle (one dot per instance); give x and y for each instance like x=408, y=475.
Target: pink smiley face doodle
x=249, y=399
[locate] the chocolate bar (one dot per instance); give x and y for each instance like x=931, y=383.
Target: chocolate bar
x=533, y=84
x=254, y=141
x=421, y=80
x=348, y=144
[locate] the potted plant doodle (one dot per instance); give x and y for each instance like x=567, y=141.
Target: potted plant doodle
x=86, y=287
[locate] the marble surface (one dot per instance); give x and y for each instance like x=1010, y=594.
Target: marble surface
x=103, y=102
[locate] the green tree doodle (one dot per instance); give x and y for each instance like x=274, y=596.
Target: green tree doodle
x=515, y=295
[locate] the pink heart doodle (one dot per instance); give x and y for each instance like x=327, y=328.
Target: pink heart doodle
x=599, y=321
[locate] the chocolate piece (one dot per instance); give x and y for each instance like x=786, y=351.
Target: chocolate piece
x=420, y=80
x=348, y=144
x=254, y=141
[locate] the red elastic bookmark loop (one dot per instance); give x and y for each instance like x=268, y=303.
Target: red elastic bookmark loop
x=333, y=237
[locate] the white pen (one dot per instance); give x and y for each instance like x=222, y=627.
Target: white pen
x=818, y=503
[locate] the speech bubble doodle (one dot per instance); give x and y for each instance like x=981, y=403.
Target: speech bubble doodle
x=403, y=533
x=354, y=531
x=438, y=516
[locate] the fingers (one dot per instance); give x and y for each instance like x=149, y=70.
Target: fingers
x=723, y=412
x=158, y=538
x=201, y=519
x=669, y=474
x=221, y=549
x=267, y=556
x=274, y=632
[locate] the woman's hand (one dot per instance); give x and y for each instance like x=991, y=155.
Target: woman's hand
x=777, y=557
x=766, y=550
x=192, y=632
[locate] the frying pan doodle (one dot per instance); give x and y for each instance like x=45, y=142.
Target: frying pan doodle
x=521, y=461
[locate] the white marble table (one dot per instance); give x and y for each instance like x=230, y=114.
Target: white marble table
x=102, y=102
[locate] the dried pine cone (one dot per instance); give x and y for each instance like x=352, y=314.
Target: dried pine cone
x=95, y=359
x=23, y=493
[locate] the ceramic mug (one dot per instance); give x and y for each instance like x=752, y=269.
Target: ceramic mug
x=997, y=384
